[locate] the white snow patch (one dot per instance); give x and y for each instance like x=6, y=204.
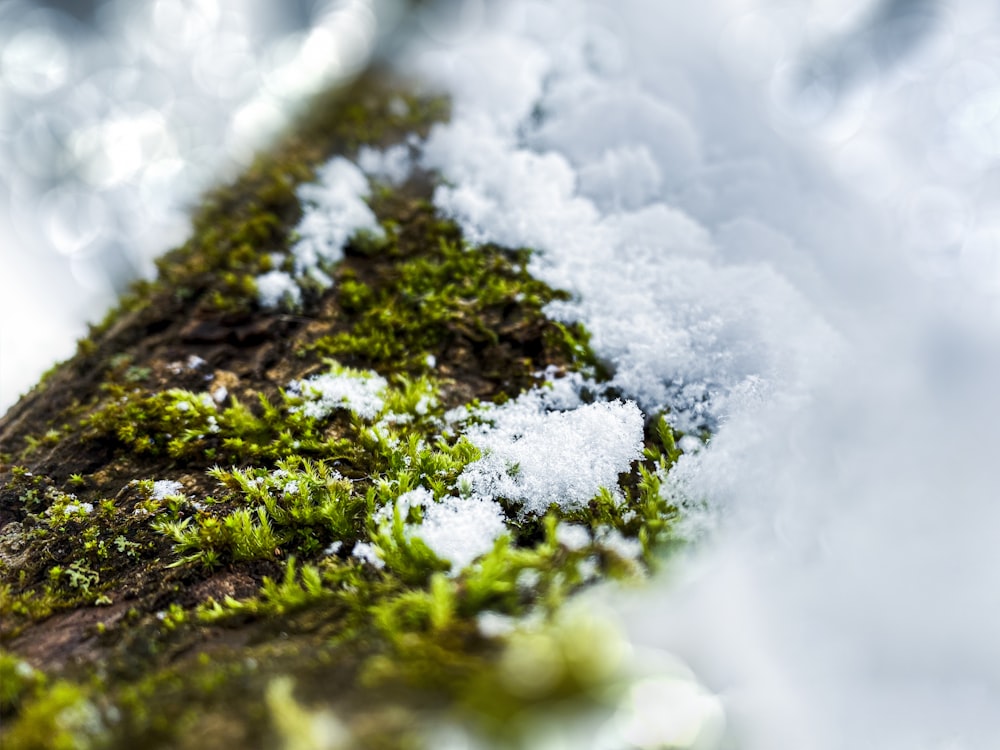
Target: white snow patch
x=495, y=625
x=333, y=547
x=584, y=183
x=393, y=164
x=455, y=529
x=165, y=488
x=572, y=536
x=333, y=211
x=613, y=540
x=275, y=288
x=678, y=168
x=359, y=391
x=367, y=552
x=416, y=498
x=461, y=529
x=537, y=457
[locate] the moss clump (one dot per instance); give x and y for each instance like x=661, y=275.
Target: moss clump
x=438, y=294
x=203, y=543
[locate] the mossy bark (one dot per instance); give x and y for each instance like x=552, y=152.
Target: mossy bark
x=137, y=616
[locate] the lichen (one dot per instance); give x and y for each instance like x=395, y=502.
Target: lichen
x=220, y=516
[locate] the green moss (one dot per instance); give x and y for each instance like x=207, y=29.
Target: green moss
x=59, y=717
x=439, y=291
x=18, y=682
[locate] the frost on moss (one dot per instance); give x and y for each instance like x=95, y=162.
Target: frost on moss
x=536, y=457
x=341, y=388
x=330, y=444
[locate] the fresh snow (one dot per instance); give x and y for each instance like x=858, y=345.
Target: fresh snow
x=392, y=165
x=682, y=330
x=333, y=211
x=357, y=391
x=537, y=458
x=164, y=488
x=275, y=288
x=457, y=530
x=572, y=536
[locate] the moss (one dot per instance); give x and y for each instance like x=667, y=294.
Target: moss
x=441, y=292
x=18, y=682
x=59, y=717
x=225, y=608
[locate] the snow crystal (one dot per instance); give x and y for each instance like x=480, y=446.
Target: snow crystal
x=277, y=287
x=333, y=548
x=165, y=488
x=528, y=579
x=537, y=457
x=333, y=211
x=613, y=540
x=358, y=391
x=456, y=529
x=423, y=405
x=367, y=552
x=589, y=568
x=417, y=498
x=584, y=183
x=460, y=530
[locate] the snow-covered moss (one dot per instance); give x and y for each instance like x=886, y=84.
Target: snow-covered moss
x=416, y=446
x=535, y=457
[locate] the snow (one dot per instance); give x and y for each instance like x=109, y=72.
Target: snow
x=682, y=331
x=461, y=529
x=333, y=211
x=572, y=536
x=495, y=625
x=357, y=391
x=277, y=287
x=164, y=488
x=333, y=547
x=536, y=458
x=455, y=529
x=393, y=164
x=367, y=552
x=786, y=232
x=614, y=541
